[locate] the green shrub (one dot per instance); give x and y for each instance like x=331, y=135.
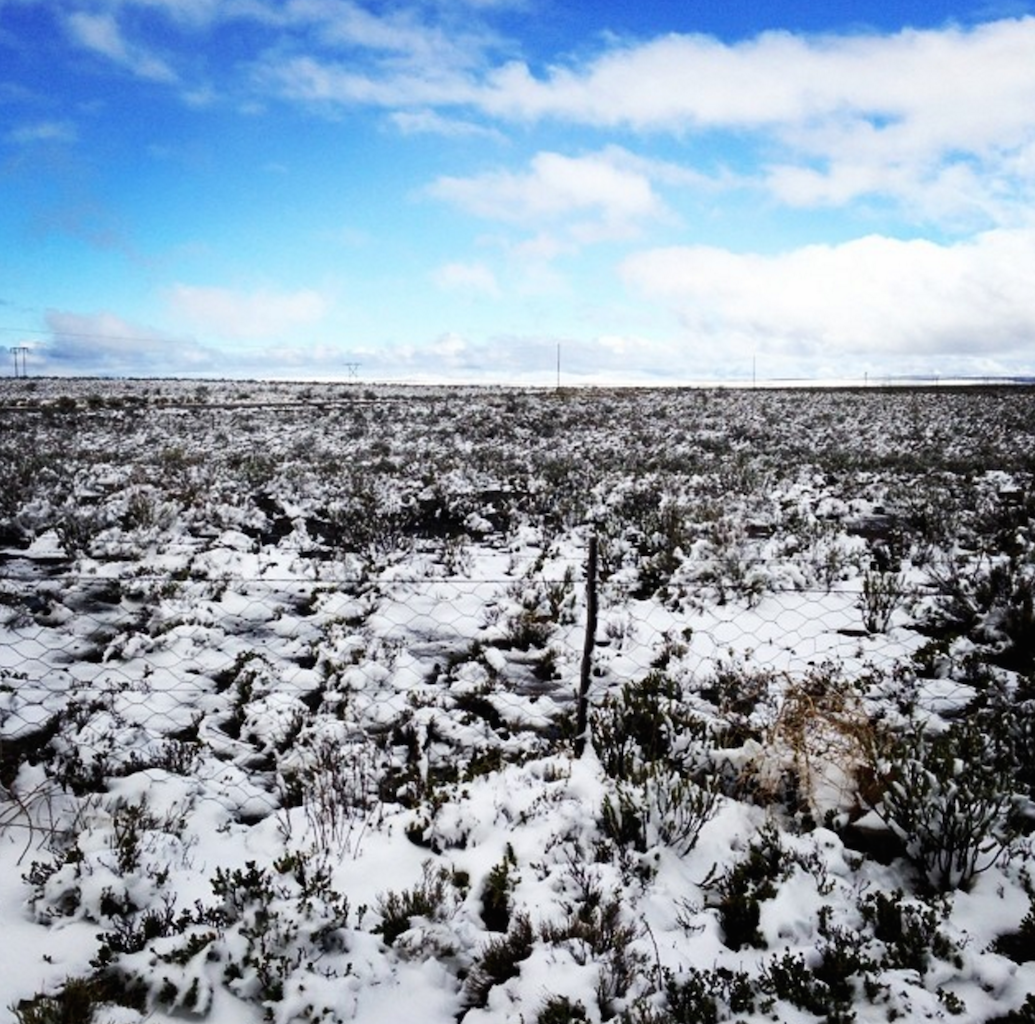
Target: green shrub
x=663, y=809
x=945, y=799
x=882, y=594
x=561, y=1010
x=787, y=977
x=78, y=1000
x=432, y=898
x=499, y=961
x=646, y=722
x=745, y=885
x=496, y=894
x=908, y=931
x=698, y=996
x=284, y=919
x=1020, y=945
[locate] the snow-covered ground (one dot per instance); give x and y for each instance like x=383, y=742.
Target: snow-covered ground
x=288, y=679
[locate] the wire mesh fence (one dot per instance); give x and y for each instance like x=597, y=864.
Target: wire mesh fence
x=228, y=674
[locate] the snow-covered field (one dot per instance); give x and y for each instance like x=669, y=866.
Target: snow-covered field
x=288, y=681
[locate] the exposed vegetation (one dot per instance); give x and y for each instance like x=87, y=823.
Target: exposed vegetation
x=286, y=709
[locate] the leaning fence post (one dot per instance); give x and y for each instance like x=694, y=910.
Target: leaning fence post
x=582, y=714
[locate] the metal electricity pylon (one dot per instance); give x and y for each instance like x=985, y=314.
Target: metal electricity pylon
x=23, y=351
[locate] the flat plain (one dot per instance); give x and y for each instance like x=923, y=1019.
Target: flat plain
x=290, y=674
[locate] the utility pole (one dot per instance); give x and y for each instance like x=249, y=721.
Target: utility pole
x=23, y=351
x=353, y=369
x=558, y=366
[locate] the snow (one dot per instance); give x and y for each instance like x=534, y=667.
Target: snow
x=343, y=679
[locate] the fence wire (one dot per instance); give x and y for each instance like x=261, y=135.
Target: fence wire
x=239, y=680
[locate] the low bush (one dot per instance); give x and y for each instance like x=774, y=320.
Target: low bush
x=745, y=885
x=945, y=799
x=78, y=1001
x=433, y=897
x=499, y=961
x=665, y=808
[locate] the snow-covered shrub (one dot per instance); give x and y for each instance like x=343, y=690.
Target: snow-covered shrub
x=24, y=472
x=498, y=961
x=944, y=797
x=698, y=996
x=561, y=1010
x=908, y=931
x=496, y=893
x=741, y=889
x=1025, y=1014
x=595, y=931
x=634, y=727
x=787, y=977
x=647, y=521
x=664, y=808
x=528, y=630
x=730, y=563
x=647, y=721
x=77, y=526
x=1020, y=945
x=992, y=604
x=336, y=784
x=744, y=697
x=1005, y=711
x=263, y=938
x=275, y=923
x=882, y=594
x=434, y=898
x=78, y=1001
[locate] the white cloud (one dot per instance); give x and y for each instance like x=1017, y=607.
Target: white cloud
x=873, y=297
x=43, y=131
x=108, y=343
x=411, y=56
x=312, y=80
x=475, y=278
x=893, y=114
x=428, y=122
x=532, y=359
x=400, y=32
x=261, y=314
x=604, y=199
x=940, y=120
x=101, y=34
x=782, y=80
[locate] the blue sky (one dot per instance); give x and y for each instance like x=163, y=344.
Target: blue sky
x=451, y=189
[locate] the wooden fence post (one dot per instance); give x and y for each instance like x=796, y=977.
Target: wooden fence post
x=582, y=714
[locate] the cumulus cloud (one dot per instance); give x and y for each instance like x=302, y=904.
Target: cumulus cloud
x=853, y=115
x=873, y=297
x=608, y=200
x=260, y=314
x=941, y=120
x=780, y=79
